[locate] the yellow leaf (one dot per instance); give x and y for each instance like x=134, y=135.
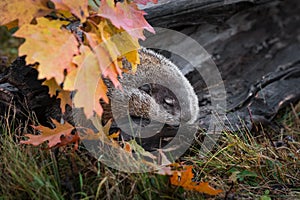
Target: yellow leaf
x=24, y=10
x=70, y=79
x=49, y=45
x=53, y=86
x=114, y=135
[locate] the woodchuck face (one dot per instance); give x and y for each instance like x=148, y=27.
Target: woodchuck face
x=158, y=91
x=166, y=99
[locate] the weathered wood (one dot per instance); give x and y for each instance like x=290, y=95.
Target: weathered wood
x=171, y=13
x=249, y=41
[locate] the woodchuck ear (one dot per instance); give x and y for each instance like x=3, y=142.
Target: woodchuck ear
x=146, y=88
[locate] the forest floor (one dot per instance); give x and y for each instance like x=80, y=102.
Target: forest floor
x=261, y=164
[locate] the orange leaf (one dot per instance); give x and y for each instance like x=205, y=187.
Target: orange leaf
x=52, y=85
x=53, y=136
x=114, y=135
x=12, y=24
x=90, y=87
x=78, y=7
x=125, y=15
x=24, y=10
x=49, y=45
x=184, y=179
x=127, y=147
x=65, y=98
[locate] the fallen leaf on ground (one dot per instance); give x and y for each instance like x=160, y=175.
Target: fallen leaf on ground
x=184, y=179
x=61, y=134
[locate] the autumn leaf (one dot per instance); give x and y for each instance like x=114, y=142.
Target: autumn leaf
x=108, y=67
x=53, y=136
x=52, y=85
x=78, y=7
x=65, y=98
x=144, y=2
x=49, y=45
x=114, y=135
x=24, y=10
x=120, y=44
x=184, y=179
x=125, y=15
x=88, y=83
x=11, y=24
x=127, y=148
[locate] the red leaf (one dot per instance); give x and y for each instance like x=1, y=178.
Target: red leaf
x=127, y=16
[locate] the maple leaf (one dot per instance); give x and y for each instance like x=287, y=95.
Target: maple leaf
x=88, y=83
x=65, y=98
x=49, y=45
x=53, y=136
x=110, y=45
x=184, y=179
x=144, y=2
x=125, y=15
x=24, y=10
x=109, y=68
x=78, y=7
x=119, y=43
x=52, y=85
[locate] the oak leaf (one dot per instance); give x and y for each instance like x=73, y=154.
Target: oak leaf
x=53, y=136
x=49, y=45
x=184, y=179
x=125, y=15
x=78, y=7
x=120, y=43
x=24, y=10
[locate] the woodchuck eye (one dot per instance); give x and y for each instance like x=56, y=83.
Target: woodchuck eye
x=169, y=101
x=163, y=96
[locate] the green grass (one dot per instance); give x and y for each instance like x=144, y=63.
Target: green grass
x=260, y=165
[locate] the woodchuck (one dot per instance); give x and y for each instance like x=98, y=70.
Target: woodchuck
x=157, y=91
